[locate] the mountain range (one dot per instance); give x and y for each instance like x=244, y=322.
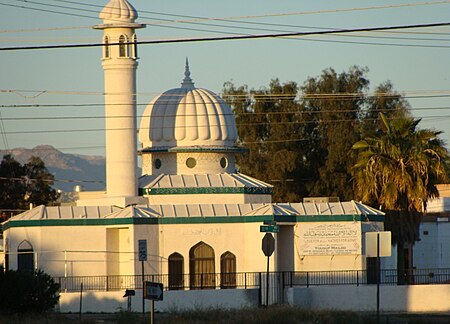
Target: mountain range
x=69, y=170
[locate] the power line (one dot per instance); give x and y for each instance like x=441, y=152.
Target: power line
x=316, y=121
x=238, y=37
x=269, y=113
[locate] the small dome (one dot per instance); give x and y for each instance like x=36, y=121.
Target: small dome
x=186, y=117
x=118, y=11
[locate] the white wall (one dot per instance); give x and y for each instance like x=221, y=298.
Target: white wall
x=415, y=298
x=113, y=301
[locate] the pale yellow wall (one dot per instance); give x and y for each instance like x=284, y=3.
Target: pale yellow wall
x=243, y=240
x=120, y=257
x=71, y=250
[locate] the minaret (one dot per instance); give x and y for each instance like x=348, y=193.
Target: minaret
x=119, y=66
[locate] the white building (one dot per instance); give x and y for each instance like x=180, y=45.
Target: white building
x=198, y=215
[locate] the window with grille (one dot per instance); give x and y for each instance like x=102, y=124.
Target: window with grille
x=227, y=270
x=176, y=271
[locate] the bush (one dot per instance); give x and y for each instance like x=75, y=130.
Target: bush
x=27, y=292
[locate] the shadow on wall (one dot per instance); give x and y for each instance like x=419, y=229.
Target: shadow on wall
x=113, y=301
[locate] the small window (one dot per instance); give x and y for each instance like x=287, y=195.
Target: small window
x=106, y=47
x=191, y=163
x=223, y=162
x=123, y=47
x=25, y=257
x=135, y=49
x=158, y=163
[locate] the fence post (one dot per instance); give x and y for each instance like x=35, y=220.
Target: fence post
x=260, y=290
x=291, y=274
x=245, y=280
x=307, y=279
x=357, y=278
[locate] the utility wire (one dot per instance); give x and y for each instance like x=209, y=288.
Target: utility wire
x=241, y=37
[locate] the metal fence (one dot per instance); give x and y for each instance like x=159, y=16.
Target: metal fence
x=244, y=280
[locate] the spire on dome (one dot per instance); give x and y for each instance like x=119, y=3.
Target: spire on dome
x=187, y=81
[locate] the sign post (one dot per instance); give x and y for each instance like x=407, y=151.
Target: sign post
x=378, y=244
x=153, y=291
x=268, y=246
x=142, y=252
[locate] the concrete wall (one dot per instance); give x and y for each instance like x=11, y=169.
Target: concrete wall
x=418, y=298
x=113, y=301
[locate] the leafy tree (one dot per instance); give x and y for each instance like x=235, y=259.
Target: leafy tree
x=336, y=102
x=27, y=292
x=266, y=121
x=24, y=184
x=11, y=186
x=397, y=170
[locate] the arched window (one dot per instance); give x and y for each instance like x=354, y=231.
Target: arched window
x=25, y=257
x=201, y=267
x=123, y=47
x=227, y=270
x=176, y=271
x=106, y=47
x=135, y=49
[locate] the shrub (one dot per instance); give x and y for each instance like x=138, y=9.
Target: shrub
x=27, y=292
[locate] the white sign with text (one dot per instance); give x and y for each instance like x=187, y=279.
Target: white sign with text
x=329, y=238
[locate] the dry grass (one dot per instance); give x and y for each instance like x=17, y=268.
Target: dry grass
x=274, y=314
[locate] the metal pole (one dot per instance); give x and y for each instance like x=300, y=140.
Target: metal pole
x=267, y=283
x=378, y=278
x=143, y=288
x=81, y=299
x=152, y=311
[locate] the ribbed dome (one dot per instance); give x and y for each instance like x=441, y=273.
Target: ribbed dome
x=117, y=11
x=186, y=117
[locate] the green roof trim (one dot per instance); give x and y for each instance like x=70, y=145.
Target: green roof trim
x=206, y=190
x=189, y=220
x=186, y=149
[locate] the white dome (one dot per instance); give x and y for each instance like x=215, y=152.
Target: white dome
x=117, y=11
x=186, y=117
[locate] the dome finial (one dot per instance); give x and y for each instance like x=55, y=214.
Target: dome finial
x=187, y=81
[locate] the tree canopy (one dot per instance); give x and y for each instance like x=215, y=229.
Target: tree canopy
x=398, y=169
x=300, y=137
x=24, y=184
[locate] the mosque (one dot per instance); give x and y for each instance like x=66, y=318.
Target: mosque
x=190, y=212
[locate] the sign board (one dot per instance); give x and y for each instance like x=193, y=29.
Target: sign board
x=268, y=244
x=371, y=244
x=153, y=290
x=330, y=238
x=269, y=228
x=142, y=250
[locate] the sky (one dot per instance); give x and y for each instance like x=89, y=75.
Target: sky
x=416, y=61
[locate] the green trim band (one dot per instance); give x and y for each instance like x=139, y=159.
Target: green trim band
x=190, y=220
x=186, y=149
x=207, y=190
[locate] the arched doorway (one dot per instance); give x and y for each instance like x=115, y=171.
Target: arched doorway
x=201, y=266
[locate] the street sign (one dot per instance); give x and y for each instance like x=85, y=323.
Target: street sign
x=268, y=244
x=383, y=245
x=269, y=228
x=153, y=290
x=142, y=250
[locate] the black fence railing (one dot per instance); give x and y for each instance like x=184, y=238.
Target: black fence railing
x=244, y=280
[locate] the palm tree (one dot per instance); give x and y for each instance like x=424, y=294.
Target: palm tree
x=397, y=170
